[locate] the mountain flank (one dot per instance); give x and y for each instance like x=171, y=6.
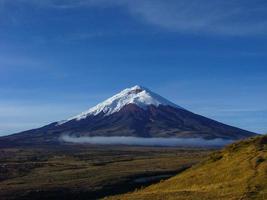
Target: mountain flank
x=135, y=112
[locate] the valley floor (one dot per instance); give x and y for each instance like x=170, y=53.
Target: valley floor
x=87, y=172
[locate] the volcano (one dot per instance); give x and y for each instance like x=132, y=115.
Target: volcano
x=134, y=112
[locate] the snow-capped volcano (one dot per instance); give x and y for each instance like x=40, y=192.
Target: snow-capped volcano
x=134, y=112
x=138, y=95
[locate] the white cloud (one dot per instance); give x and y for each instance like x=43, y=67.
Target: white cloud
x=138, y=141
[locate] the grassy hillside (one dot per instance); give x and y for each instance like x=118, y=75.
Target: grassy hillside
x=237, y=172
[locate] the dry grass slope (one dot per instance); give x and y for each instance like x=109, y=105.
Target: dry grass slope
x=237, y=172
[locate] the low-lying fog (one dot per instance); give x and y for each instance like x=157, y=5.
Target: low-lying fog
x=121, y=140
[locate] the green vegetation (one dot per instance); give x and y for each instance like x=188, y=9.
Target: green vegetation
x=237, y=172
x=85, y=172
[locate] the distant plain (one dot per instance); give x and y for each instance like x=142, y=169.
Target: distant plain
x=87, y=171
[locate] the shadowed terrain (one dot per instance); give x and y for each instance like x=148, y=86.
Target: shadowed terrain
x=87, y=172
x=163, y=121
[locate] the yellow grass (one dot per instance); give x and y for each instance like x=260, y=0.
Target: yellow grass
x=237, y=172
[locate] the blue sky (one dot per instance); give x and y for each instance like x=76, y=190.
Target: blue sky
x=60, y=57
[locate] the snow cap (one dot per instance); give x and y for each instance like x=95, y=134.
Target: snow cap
x=137, y=95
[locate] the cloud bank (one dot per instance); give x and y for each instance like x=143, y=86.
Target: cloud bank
x=138, y=141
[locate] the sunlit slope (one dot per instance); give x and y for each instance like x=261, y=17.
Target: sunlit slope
x=237, y=172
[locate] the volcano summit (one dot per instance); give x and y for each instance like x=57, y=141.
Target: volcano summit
x=134, y=112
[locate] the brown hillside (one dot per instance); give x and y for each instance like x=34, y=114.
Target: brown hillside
x=237, y=172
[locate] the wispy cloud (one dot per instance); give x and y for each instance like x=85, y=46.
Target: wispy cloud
x=206, y=16
x=138, y=141
x=20, y=61
x=236, y=17
x=18, y=113
x=67, y=4
x=232, y=111
x=252, y=118
x=15, y=117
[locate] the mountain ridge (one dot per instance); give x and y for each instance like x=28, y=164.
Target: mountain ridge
x=135, y=112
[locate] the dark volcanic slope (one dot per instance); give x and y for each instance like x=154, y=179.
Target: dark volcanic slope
x=131, y=120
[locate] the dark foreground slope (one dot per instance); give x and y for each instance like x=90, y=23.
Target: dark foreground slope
x=237, y=172
x=131, y=120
